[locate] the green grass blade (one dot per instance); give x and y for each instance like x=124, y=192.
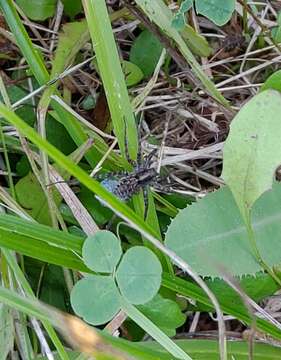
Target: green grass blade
x=111, y=73
x=199, y=349
x=41, y=242
x=153, y=331
x=27, y=288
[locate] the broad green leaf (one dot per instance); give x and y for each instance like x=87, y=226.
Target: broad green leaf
x=32, y=198
x=185, y=5
x=216, y=10
x=133, y=74
x=58, y=136
x=252, y=150
x=102, y=251
x=153, y=330
x=139, y=275
x=158, y=306
x=145, y=52
x=210, y=235
x=53, y=290
x=23, y=166
x=256, y=287
x=38, y=9
x=96, y=299
x=272, y=82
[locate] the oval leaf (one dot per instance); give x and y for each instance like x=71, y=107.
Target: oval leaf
x=217, y=11
x=96, y=299
x=210, y=235
x=158, y=306
x=145, y=52
x=102, y=251
x=272, y=82
x=252, y=150
x=139, y=275
x=132, y=72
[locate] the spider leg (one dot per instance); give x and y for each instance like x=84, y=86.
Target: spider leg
x=111, y=175
x=139, y=157
x=148, y=160
x=130, y=161
x=164, y=188
x=145, y=199
x=162, y=184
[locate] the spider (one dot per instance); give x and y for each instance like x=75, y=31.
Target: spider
x=126, y=184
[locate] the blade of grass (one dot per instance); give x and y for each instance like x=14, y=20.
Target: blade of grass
x=153, y=330
x=26, y=287
x=111, y=73
x=41, y=242
x=99, y=341
x=5, y=96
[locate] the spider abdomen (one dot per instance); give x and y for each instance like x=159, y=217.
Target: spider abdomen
x=126, y=188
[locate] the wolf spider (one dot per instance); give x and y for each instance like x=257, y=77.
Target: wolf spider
x=126, y=184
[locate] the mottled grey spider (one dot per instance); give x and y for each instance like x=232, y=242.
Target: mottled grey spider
x=126, y=184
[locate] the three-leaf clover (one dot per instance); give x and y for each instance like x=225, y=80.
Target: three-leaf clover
x=136, y=277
